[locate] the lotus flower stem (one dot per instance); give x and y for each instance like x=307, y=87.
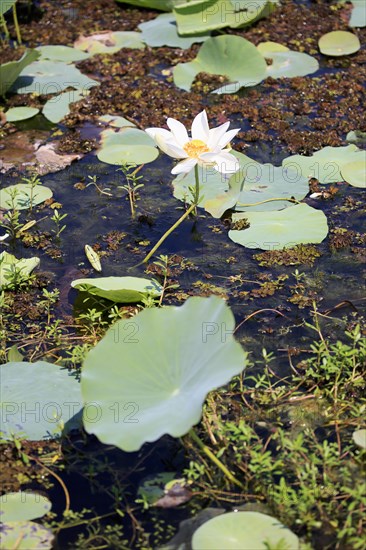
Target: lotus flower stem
x=267, y=200
x=196, y=198
x=16, y=24
x=214, y=458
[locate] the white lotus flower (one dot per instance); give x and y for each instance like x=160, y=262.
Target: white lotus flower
x=206, y=147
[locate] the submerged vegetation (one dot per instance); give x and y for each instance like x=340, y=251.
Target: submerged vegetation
x=182, y=342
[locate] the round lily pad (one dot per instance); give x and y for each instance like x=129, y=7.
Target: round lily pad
x=61, y=53
x=23, y=506
x=38, y=400
x=22, y=196
x=288, y=64
x=244, y=531
x=109, y=42
x=337, y=43
x=359, y=437
x=134, y=154
x=276, y=230
x=325, y=165
x=25, y=535
x=20, y=113
x=119, y=289
x=149, y=375
x=354, y=173
x=270, y=47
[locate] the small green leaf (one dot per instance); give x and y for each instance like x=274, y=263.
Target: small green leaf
x=23, y=506
x=337, y=43
x=20, y=113
x=119, y=289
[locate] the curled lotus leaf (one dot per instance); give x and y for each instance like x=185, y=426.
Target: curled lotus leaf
x=119, y=289
x=276, y=230
x=230, y=56
x=154, y=371
x=11, y=267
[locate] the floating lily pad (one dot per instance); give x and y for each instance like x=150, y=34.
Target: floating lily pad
x=25, y=196
x=196, y=16
x=38, y=400
x=61, y=53
x=13, y=270
x=49, y=77
x=58, y=106
x=358, y=14
x=154, y=371
x=116, y=121
x=20, y=113
x=129, y=145
x=119, y=289
x=244, y=531
x=271, y=47
x=288, y=64
x=109, y=42
x=359, y=437
x=23, y=506
x=162, y=5
x=162, y=31
x=265, y=182
x=324, y=165
x=337, y=43
x=354, y=172
x=231, y=56
x=25, y=535
x=9, y=72
x=276, y=230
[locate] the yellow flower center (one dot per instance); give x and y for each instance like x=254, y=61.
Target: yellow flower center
x=195, y=148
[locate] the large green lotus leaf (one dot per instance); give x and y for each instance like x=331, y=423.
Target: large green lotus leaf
x=23, y=506
x=119, y=289
x=280, y=229
x=244, y=531
x=358, y=14
x=196, y=16
x=9, y=72
x=9, y=265
x=109, y=42
x=25, y=196
x=49, y=77
x=61, y=53
x=38, y=400
x=359, y=437
x=354, y=172
x=162, y=5
x=129, y=145
x=56, y=108
x=264, y=182
x=149, y=375
x=20, y=113
x=131, y=154
x=25, y=535
x=324, y=165
x=5, y=5
x=232, y=56
x=125, y=136
x=290, y=64
x=339, y=43
x=162, y=31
